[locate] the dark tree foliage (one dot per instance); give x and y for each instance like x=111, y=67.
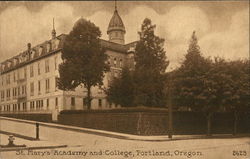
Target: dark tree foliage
x=151, y=63
x=209, y=86
x=190, y=88
x=121, y=91
x=83, y=59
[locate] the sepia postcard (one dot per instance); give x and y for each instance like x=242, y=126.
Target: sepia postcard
x=124, y=79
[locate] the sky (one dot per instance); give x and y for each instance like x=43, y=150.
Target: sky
x=222, y=27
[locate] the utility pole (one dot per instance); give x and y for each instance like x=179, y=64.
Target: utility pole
x=37, y=131
x=170, y=110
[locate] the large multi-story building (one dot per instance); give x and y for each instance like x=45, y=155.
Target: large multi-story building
x=28, y=80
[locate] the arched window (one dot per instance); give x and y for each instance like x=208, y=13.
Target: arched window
x=115, y=62
x=121, y=63
x=108, y=60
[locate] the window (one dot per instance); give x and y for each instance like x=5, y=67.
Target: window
x=41, y=102
x=32, y=105
x=14, y=76
x=8, y=94
x=2, y=81
x=23, y=89
x=115, y=74
x=100, y=103
x=25, y=72
x=56, y=101
x=2, y=95
x=14, y=107
x=39, y=87
x=31, y=89
x=13, y=92
x=18, y=91
x=47, y=65
x=8, y=79
x=37, y=104
x=18, y=75
x=56, y=63
x=31, y=71
x=18, y=106
x=109, y=62
x=24, y=106
x=47, y=86
x=120, y=62
x=47, y=103
x=85, y=101
x=73, y=101
x=56, y=86
x=115, y=62
x=48, y=47
x=38, y=68
x=40, y=50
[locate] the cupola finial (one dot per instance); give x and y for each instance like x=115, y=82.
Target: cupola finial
x=115, y=5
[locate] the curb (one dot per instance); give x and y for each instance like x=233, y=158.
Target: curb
x=31, y=148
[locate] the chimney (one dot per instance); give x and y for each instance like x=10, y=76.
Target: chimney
x=29, y=46
x=29, y=50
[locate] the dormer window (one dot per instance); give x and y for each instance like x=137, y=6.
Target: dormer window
x=55, y=44
x=40, y=50
x=48, y=47
x=31, y=54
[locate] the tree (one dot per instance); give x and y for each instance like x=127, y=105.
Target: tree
x=209, y=86
x=151, y=63
x=232, y=86
x=83, y=59
x=191, y=85
x=121, y=90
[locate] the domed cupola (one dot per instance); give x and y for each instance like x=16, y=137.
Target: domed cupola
x=116, y=29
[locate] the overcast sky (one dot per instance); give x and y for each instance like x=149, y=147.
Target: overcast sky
x=222, y=27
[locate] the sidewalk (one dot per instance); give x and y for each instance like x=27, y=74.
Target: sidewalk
x=30, y=144
x=56, y=128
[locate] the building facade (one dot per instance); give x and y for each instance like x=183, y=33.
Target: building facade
x=28, y=80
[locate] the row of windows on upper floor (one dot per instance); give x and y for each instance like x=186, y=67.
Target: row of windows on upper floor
x=19, y=92
x=17, y=76
x=31, y=54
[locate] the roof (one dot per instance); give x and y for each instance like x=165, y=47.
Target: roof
x=116, y=47
x=116, y=23
x=37, y=52
x=25, y=58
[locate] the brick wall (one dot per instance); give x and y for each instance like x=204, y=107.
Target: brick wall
x=153, y=121
x=30, y=116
